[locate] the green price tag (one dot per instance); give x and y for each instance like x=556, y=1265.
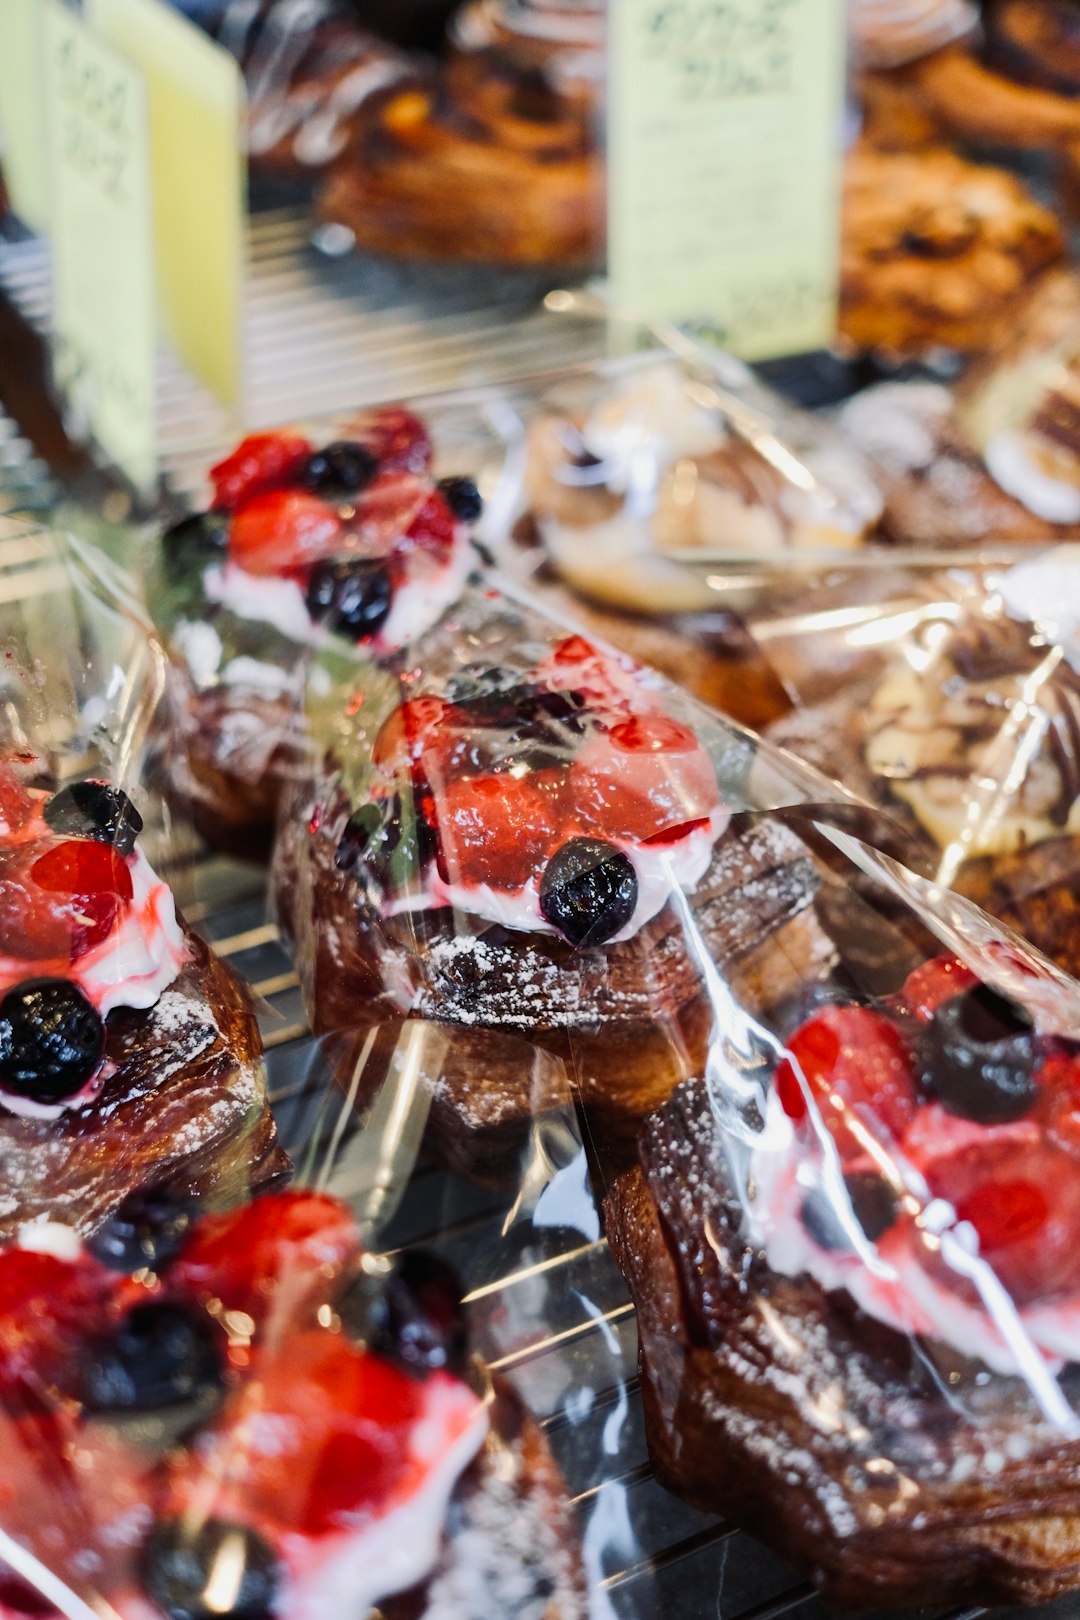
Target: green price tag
x=22, y=123
x=104, y=316
x=724, y=152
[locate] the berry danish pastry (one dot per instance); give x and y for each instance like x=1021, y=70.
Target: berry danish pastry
x=270, y=1423
x=858, y=1310
x=355, y=541
x=129, y=1056
x=539, y=847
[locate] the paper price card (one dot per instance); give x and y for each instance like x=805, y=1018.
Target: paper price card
x=22, y=115
x=199, y=175
x=103, y=267
x=724, y=161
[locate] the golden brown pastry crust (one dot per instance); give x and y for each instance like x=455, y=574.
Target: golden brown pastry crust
x=186, y=1107
x=776, y=1405
x=973, y=100
x=486, y=163
x=936, y=251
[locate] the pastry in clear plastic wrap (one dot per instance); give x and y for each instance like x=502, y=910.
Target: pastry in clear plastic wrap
x=269, y=1422
x=853, y=1257
x=355, y=540
x=482, y=160
x=539, y=848
x=937, y=252
x=970, y=737
x=567, y=41
x=130, y=1059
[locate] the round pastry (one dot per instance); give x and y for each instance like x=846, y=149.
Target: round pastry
x=308, y=70
x=483, y=161
x=857, y=1311
x=936, y=252
x=269, y=1423
x=130, y=1057
x=518, y=847
x=887, y=33
x=971, y=738
x=567, y=38
x=354, y=543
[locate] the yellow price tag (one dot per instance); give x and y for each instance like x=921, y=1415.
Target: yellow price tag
x=724, y=152
x=199, y=179
x=102, y=253
x=22, y=114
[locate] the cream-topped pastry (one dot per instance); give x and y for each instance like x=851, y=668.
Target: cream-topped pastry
x=567, y=38
x=888, y=33
x=86, y=927
x=651, y=469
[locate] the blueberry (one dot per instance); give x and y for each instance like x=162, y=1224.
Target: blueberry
x=353, y=595
x=977, y=1058
x=200, y=537
x=356, y=837
x=589, y=890
x=162, y=1354
x=95, y=810
x=873, y=1203
x=180, y=1562
x=145, y=1231
x=342, y=468
x=52, y=1040
x=463, y=498
x=391, y=841
x=413, y=1317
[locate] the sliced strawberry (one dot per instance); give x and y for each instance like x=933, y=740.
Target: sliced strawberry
x=434, y=524
x=932, y=984
x=495, y=829
x=283, y=531
x=859, y=1074
x=60, y=897
x=1024, y=1202
x=575, y=664
x=417, y=726
x=321, y=1435
x=647, y=776
x=260, y=462
x=387, y=510
x=16, y=804
x=276, y=1254
x=48, y=1309
x=397, y=439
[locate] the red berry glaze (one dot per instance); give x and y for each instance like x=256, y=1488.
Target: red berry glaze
x=48, y=1308
x=932, y=984
x=260, y=462
x=16, y=804
x=271, y=1255
x=859, y=1073
x=397, y=439
x=494, y=829
x=283, y=531
x=60, y=898
x=433, y=526
x=648, y=776
x=416, y=728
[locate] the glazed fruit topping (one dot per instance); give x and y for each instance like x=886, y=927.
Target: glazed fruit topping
x=934, y=982
x=589, y=890
x=977, y=1057
x=261, y=462
x=493, y=829
x=16, y=805
x=433, y=526
x=95, y=810
x=463, y=498
x=182, y=1563
x=161, y=1354
x=859, y=1073
x=52, y=1041
x=145, y=1232
x=647, y=776
x=397, y=439
x=46, y=1305
x=283, y=531
x=60, y=898
x=412, y=1317
x=352, y=596
x=339, y=470
x=417, y=726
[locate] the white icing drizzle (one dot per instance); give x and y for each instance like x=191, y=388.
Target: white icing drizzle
x=1010, y=463
x=1045, y=591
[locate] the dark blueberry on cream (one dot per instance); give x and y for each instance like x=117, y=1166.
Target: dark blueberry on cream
x=144, y=1232
x=162, y=1354
x=353, y=595
x=392, y=840
x=589, y=890
x=95, y=810
x=413, y=1316
x=340, y=469
x=977, y=1058
x=356, y=837
x=463, y=498
x=52, y=1040
x=203, y=535
x=180, y=1562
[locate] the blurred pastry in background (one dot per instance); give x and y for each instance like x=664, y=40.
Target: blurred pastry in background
x=937, y=252
x=888, y=33
x=567, y=38
x=481, y=160
x=415, y=24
